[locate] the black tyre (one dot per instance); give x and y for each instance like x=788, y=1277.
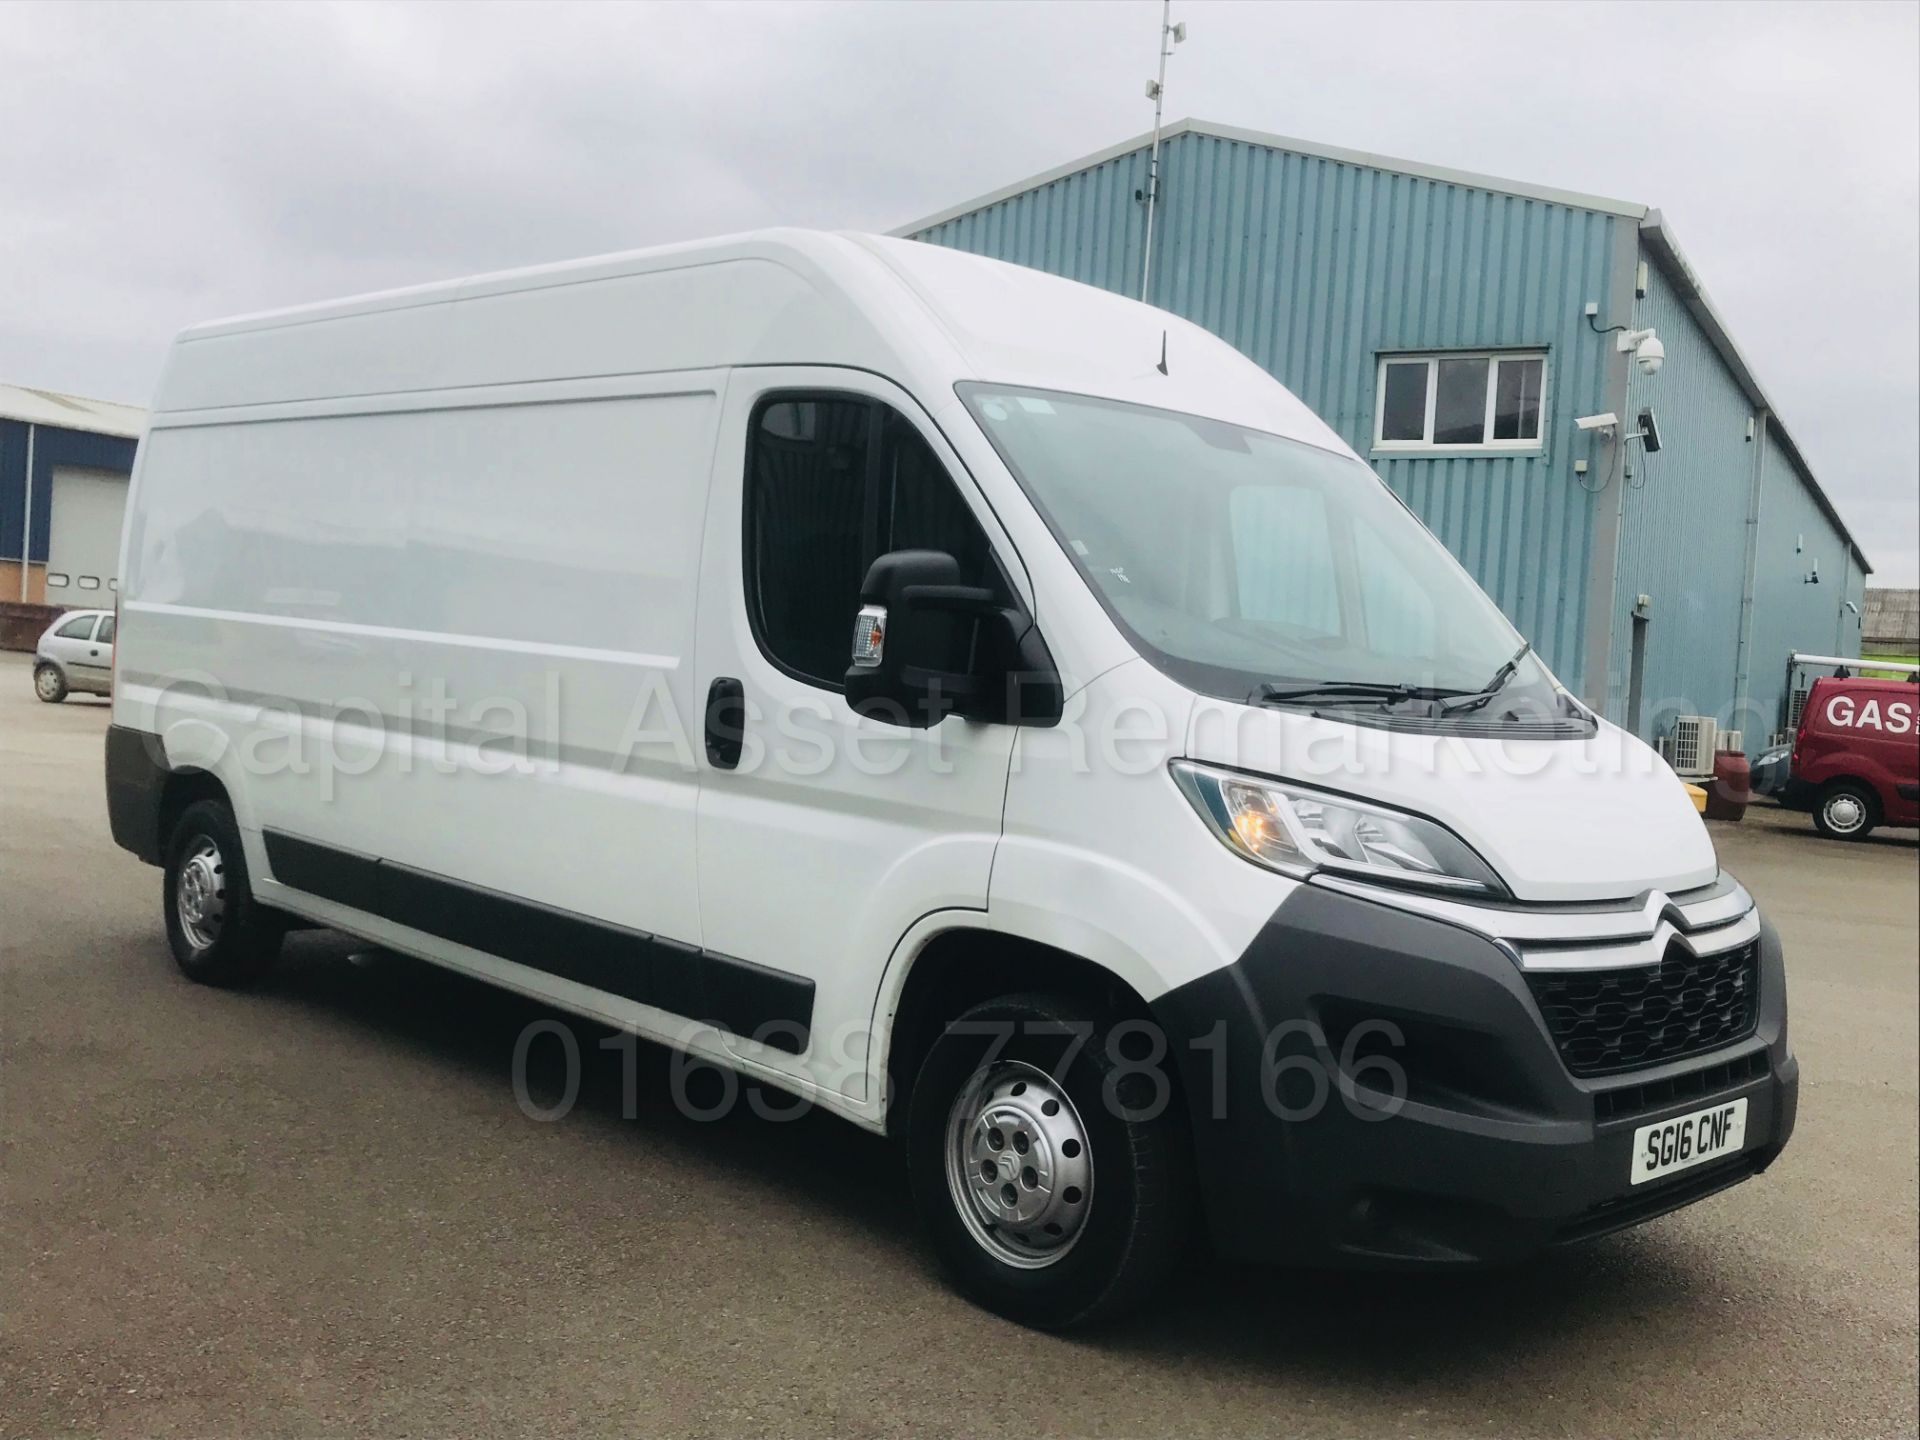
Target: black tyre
x=48, y=683
x=219, y=933
x=1846, y=810
x=1050, y=1161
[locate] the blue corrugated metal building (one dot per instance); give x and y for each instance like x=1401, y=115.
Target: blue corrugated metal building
x=1440, y=322
x=64, y=466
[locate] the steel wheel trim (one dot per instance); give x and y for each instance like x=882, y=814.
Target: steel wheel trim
x=1845, y=813
x=1019, y=1165
x=200, y=894
x=46, y=682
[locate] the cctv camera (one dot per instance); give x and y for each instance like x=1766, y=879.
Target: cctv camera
x=1645, y=347
x=1604, y=421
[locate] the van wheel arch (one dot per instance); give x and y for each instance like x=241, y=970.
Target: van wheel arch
x=182, y=788
x=959, y=969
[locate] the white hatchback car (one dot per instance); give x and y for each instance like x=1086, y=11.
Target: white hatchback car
x=75, y=653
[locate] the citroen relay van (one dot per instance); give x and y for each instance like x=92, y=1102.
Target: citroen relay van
x=988, y=708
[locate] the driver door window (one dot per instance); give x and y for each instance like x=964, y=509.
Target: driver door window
x=834, y=481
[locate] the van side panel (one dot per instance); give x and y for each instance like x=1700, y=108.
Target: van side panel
x=455, y=637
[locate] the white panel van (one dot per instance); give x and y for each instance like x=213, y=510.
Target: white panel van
x=991, y=709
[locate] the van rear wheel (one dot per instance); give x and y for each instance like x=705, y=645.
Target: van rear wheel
x=1050, y=1161
x=1846, y=810
x=220, y=935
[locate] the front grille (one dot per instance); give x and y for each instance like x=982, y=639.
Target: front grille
x=1606, y=1021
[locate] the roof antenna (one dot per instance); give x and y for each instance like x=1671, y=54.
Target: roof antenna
x=1162, y=366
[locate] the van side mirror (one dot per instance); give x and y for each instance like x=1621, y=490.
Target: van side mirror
x=926, y=646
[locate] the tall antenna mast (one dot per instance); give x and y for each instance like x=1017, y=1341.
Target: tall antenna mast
x=1170, y=36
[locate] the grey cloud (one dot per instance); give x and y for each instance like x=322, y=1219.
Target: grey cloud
x=164, y=164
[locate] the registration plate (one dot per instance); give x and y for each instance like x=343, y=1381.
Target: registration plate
x=1688, y=1140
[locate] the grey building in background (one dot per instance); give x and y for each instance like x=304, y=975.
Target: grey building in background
x=1891, y=624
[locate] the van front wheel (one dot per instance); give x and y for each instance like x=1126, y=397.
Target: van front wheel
x=1050, y=1160
x=220, y=935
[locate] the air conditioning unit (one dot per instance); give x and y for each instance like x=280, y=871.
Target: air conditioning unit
x=1730, y=741
x=1691, y=744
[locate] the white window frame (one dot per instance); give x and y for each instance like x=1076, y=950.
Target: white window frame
x=1486, y=445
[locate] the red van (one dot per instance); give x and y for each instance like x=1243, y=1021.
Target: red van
x=1856, y=756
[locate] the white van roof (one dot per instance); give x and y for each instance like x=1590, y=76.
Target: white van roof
x=922, y=314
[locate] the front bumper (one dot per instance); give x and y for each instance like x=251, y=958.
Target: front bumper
x=1494, y=1150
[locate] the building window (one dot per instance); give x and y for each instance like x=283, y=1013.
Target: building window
x=89, y=582
x=1460, y=400
x=834, y=481
x=56, y=579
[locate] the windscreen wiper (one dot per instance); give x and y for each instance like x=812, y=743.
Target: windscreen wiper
x=1492, y=688
x=1387, y=694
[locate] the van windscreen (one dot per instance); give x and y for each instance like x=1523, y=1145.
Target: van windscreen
x=1246, y=565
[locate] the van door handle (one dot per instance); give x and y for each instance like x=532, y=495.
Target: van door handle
x=726, y=722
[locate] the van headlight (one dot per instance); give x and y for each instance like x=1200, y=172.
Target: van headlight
x=1297, y=831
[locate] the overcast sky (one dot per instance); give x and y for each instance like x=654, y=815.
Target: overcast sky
x=165, y=164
